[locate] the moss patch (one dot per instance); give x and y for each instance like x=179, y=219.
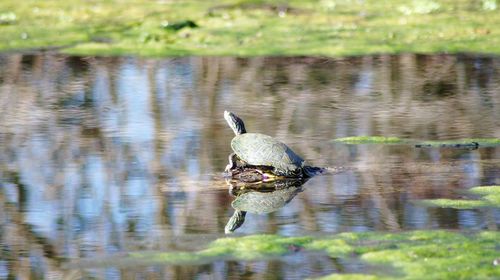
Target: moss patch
x=243, y=248
x=250, y=27
x=454, y=203
x=444, y=256
x=491, y=194
x=369, y=140
x=490, y=198
x=407, y=255
x=350, y=276
x=486, y=190
x=469, y=142
x=258, y=246
x=334, y=247
x=458, y=143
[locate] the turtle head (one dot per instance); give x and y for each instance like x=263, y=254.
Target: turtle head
x=235, y=123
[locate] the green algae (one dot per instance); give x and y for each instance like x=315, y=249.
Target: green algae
x=334, y=247
x=485, y=190
x=490, y=197
x=491, y=194
x=250, y=27
x=449, y=256
x=251, y=247
x=257, y=246
x=427, y=254
x=353, y=276
x=457, y=143
x=481, y=142
x=369, y=140
x=454, y=203
x=170, y=257
x=405, y=255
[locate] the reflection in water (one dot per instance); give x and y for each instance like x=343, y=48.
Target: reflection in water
x=103, y=155
x=260, y=198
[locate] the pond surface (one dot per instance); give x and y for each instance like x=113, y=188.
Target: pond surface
x=100, y=156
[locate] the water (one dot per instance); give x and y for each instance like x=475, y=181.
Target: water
x=101, y=156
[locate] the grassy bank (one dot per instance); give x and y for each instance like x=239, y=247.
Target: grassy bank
x=248, y=28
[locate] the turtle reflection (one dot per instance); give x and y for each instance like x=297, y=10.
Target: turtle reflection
x=260, y=198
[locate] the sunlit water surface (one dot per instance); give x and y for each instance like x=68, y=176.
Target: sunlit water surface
x=101, y=156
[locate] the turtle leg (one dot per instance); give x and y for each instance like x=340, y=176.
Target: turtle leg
x=281, y=173
x=232, y=162
x=291, y=173
x=264, y=175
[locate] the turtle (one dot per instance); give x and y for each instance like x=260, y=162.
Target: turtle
x=260, y=150
x=261, y=200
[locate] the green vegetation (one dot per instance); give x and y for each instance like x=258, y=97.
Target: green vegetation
x=250, y=27
x=482, y=142
x=353, y=276
x=459, y=143
x=243, y=248
x=410, y=255
x=441, y=255
x=490, y=198
x=369, y=140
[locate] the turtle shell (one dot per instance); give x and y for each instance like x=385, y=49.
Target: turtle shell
x=260, y=149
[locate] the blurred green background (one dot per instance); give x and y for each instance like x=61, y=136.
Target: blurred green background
x=250, y=28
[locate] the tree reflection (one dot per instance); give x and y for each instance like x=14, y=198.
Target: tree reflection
x=101, y=155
